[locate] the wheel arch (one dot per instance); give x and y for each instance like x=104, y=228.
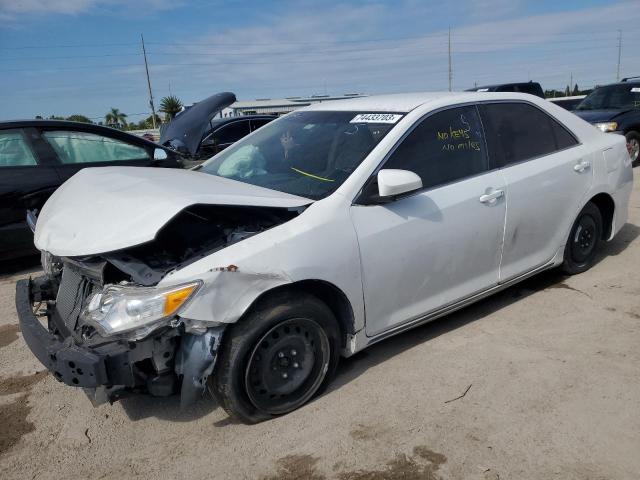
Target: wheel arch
x=327, y=292
x=607, y=206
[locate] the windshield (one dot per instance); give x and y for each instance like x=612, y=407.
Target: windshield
x=309, y=154
x=612, y=97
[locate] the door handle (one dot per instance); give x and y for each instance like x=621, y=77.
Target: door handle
x=491, y=197
x=582, y=166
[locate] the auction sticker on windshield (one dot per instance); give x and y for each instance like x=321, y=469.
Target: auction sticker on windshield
x=376, y=118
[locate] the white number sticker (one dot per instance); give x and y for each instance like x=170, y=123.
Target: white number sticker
x=635, y=90
x=376, y=118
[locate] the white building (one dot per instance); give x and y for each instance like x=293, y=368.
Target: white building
x=279, y=106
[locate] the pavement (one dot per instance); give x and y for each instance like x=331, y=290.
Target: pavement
x=540, y=381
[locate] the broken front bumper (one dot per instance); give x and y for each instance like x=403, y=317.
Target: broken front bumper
x=112, y=369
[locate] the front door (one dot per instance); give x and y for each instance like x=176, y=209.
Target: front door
x=443, y=243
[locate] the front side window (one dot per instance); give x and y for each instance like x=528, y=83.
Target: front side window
x=517, y=132
x=308, y=153
x=83, y=147
x=612, y=97
x=443, y=148
x=14, y=150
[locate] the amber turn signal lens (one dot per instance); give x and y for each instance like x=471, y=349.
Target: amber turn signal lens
x=173, y=300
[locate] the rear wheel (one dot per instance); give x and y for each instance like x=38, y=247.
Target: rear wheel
x=277, y=358
x=633, y=145
x=582, y=245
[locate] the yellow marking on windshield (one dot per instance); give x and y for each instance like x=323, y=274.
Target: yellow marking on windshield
x=312, y=176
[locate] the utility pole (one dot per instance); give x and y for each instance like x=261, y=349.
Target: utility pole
x=146, y=67
x=450, y=69
x=619, y=55
x=571, y=84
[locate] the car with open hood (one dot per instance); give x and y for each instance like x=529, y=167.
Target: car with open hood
x=615, y=108
x=199, y=132
x=314, y=237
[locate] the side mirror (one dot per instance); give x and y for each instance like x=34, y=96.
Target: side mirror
x=159, y=154
x=392, y=182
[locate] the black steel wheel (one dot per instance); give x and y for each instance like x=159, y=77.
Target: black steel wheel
x=583, y=241
x=275, y=359
x=633, y=145
x=287, y=366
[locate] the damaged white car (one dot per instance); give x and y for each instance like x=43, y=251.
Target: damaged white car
x=317, y=235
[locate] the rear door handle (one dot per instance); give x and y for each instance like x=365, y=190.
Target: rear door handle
x=491, y=197
x=582, y=166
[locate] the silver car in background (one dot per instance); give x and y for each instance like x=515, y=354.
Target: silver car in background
x=317, y=235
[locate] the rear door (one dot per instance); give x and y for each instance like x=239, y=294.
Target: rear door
x=547, y=173
x=76, y=150
x=26, y=181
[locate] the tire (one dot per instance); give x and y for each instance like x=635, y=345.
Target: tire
x=584, y=239
x=275, y=359
x=633, y=145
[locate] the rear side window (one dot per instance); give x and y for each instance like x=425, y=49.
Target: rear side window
x=517, y=132
x=83, y=147
x=443, y=148
x=14, y=150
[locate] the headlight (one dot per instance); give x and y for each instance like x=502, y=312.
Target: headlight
x=606, y=126
x=119, y=309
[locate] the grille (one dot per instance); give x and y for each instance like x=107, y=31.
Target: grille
x=73, y=291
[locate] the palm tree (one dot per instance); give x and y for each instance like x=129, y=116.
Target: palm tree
x=116, y=117
x=170, y=106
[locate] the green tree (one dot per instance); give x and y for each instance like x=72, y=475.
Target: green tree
x=79, y=118
x=148, y=122
x=116, y=118
x=170, y=106
x=576, y=90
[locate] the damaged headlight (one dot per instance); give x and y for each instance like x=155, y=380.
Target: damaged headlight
x=120, y=308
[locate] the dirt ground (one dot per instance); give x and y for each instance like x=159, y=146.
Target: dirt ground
x=551, y=371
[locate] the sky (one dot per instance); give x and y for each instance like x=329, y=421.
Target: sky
x=63, y=57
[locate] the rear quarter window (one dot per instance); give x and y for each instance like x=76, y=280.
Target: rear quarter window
x=517, y=132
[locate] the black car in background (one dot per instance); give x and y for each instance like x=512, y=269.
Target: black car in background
x=532, y=88
x=615, y=108
x=37, y=156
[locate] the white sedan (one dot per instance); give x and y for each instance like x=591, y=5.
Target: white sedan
x=316, y=236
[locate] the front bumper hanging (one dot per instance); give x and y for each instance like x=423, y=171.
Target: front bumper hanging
x=110, y=370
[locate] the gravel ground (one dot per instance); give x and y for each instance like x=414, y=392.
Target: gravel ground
x=550, y=368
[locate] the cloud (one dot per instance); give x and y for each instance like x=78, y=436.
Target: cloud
x=14, y=9
x=301, y=51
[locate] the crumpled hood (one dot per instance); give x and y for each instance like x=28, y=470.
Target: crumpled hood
x=101, y=210
x=188, y=127
x=594, y=116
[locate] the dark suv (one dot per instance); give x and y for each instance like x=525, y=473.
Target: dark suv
x=532, y=88
x=615, y=108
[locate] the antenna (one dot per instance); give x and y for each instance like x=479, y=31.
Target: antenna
x=619, y=55
x=146, y=67
x=450, y=69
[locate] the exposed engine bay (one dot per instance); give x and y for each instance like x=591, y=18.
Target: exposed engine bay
x=162, y=356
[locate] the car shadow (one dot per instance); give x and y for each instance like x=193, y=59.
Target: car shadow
x=138, y=407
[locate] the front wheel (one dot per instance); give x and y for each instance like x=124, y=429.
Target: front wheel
x=276, y=358
x=633, y=145
x=582, y=244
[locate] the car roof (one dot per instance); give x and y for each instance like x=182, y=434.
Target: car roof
x=405, y=102
x=221, y=121
x=52, y=123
